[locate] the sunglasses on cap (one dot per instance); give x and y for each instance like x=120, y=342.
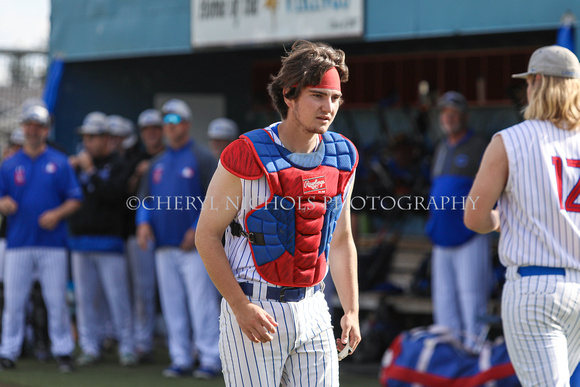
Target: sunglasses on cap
x=172, y=118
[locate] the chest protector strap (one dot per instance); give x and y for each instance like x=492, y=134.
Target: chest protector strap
x=290, y=233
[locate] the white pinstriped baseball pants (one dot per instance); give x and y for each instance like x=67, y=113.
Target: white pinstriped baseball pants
x=50, y=265
x=144, y=290
x=190, y=302
x=108, y=271
x=302, y=353
x=461, y=284
x=541, y=324
x=2, y=257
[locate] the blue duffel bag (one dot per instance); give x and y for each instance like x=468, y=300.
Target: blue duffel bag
x=432, y=356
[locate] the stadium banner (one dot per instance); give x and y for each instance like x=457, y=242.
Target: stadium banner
x=246, y=22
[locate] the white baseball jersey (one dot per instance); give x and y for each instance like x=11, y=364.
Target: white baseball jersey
x=540, y=206
x=540, y=226
x=238, y=249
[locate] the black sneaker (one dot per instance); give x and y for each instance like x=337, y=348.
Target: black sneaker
x=7, y=364
x=65, y=364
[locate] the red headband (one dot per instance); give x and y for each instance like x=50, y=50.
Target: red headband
x=330, y=80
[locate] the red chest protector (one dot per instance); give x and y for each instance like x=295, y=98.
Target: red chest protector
x=290, y=233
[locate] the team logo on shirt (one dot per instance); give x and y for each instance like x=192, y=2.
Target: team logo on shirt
x=19, y=176
x=50, y=168
x=187, y=173
x=314, y=185
x=461, y=160
x=157, y=174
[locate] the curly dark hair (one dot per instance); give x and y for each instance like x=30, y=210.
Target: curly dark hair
x=304, y=65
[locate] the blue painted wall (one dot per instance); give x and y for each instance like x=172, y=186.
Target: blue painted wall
x=412, y=19
x=99, y=29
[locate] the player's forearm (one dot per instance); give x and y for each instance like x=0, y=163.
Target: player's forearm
x=482, y=222
x=67, y=208
x=343, y=267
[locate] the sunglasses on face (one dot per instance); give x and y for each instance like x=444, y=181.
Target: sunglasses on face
x=172, y=118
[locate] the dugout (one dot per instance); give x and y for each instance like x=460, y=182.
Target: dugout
x=124, y=57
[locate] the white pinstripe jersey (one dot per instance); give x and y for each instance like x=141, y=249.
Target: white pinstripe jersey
x=540, y=206
x=254, y=193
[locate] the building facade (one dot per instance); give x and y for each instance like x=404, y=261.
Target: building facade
x=121, y=57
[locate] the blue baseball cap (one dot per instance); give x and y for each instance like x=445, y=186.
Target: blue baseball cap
x=454, y=100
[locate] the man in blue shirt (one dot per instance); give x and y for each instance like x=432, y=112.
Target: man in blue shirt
x=461, y=262
x=171, y=196
x=142, y=262
x=38, y=190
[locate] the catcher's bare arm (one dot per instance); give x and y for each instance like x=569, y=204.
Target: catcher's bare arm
x=216, y=215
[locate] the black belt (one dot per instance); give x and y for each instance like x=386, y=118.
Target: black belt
x=283, y=294
x=525, y=271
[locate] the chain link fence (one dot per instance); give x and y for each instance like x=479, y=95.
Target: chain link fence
x=22, y=77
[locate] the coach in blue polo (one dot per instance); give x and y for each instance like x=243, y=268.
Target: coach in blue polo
x=171, y=192
x=38, y=190
x=461, y=260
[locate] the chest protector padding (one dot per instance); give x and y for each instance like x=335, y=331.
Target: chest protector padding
x=298, y=219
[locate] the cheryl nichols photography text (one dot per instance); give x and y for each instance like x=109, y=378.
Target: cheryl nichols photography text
x=357, y=203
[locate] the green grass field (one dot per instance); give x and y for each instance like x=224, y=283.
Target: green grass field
x=108, y=373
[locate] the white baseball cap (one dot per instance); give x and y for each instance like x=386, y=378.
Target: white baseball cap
x=129, y=141
x=222, y=129
x=150, y=117
x=556, y=61
x=119, y=126
x=36, y=113
x=17, y=136
x=94, y=123
x=177, y=107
